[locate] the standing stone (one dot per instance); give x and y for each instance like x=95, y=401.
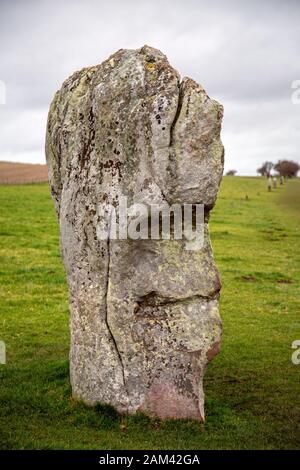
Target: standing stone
x=144, y=313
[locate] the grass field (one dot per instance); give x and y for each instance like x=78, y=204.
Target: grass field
x=252, y=387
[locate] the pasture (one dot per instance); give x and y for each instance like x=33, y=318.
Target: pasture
x=252, y=388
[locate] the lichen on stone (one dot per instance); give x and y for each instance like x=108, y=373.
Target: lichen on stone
x=144, y=313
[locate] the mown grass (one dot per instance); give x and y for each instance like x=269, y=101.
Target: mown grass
x=252, y=388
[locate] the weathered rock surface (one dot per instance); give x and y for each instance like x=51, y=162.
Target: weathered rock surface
x=144, y=313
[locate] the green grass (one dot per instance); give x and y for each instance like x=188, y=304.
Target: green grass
x=252, y=388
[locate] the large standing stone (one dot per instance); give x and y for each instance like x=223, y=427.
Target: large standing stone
x=144, y=313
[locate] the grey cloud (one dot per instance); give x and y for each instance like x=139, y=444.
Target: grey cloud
x=244, y=53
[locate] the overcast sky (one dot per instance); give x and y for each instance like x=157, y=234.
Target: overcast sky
x=245, y=54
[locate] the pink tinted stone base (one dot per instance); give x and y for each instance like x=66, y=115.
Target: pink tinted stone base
x=213, y=351
x=165, y=401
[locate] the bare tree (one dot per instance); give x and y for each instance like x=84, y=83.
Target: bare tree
x=265, y=169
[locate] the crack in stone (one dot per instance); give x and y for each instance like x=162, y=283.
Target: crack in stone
x=171, y=167
x=177, y=114
x=106, y=317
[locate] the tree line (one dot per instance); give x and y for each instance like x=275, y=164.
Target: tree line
x=285, y=168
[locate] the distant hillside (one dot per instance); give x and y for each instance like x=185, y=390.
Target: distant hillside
x=18, y=173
